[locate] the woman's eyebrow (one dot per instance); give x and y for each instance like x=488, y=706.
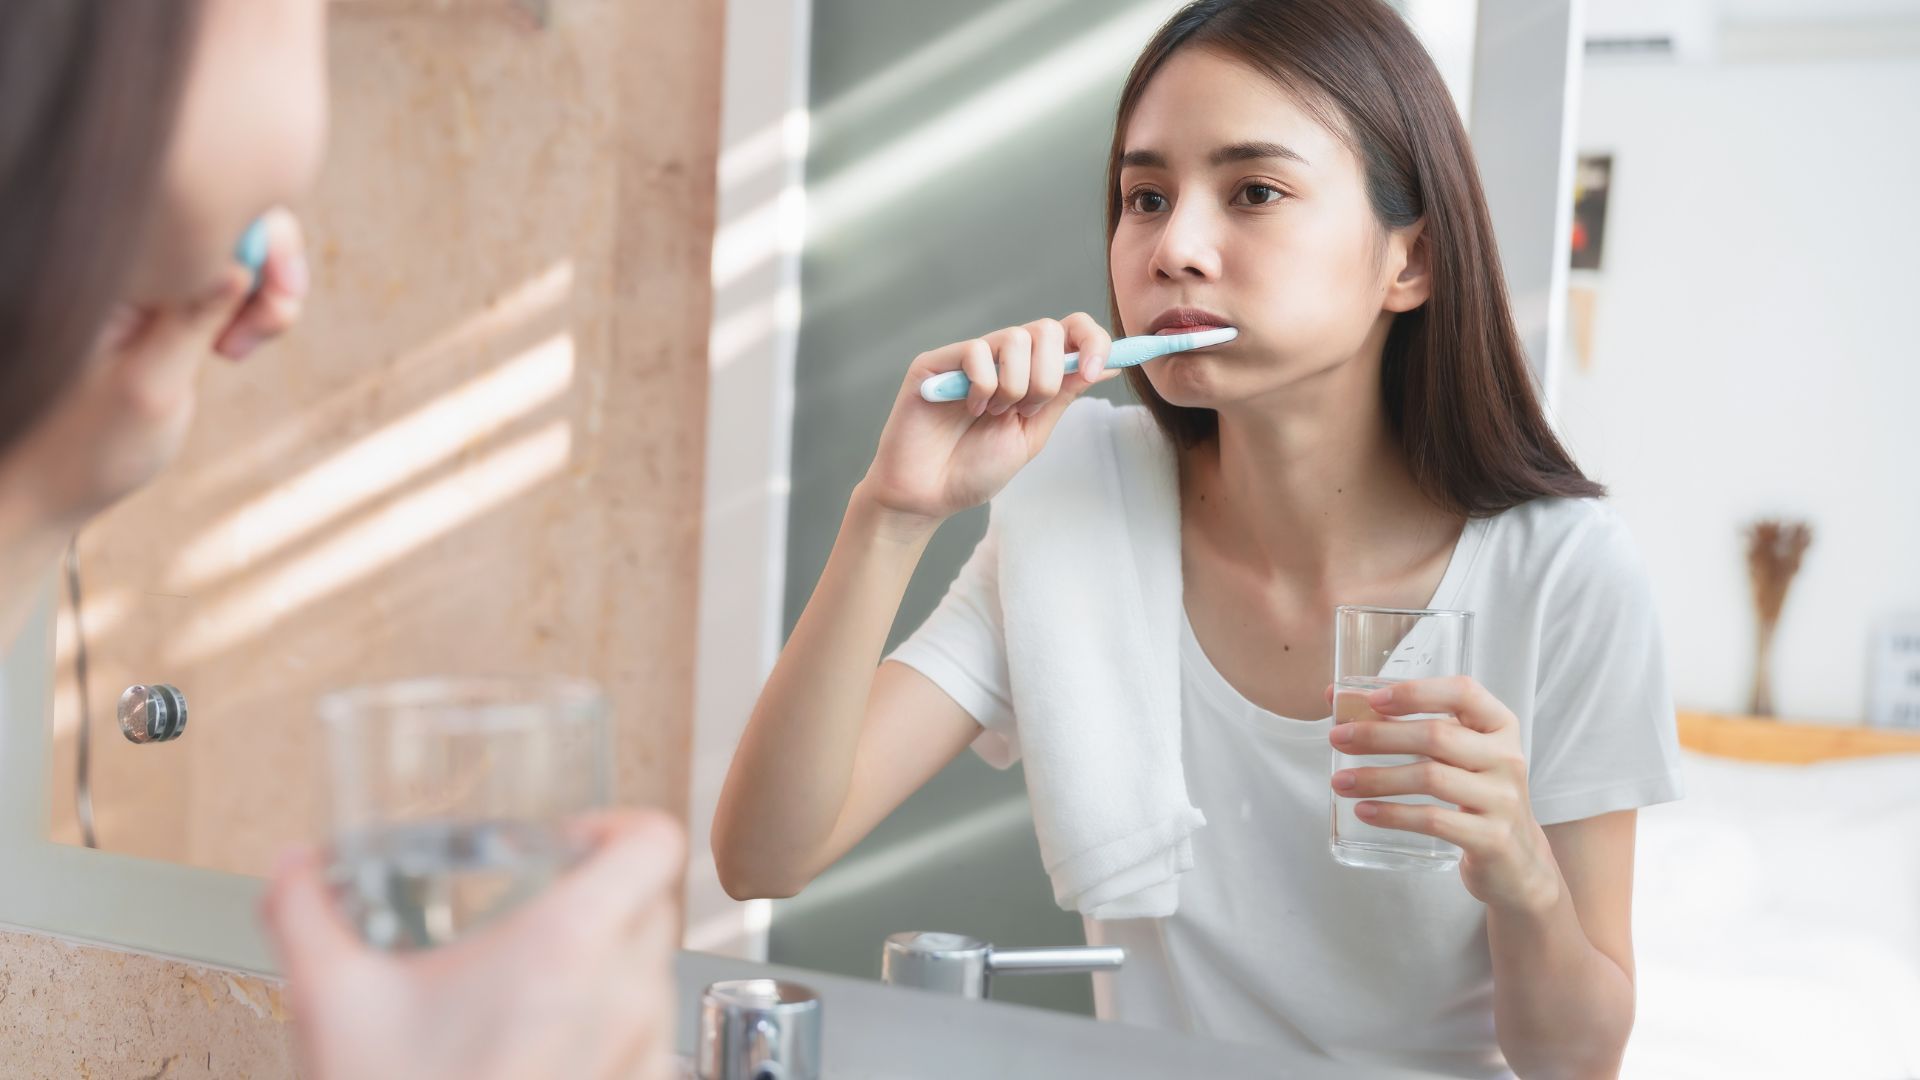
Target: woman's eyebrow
x=1254, y=150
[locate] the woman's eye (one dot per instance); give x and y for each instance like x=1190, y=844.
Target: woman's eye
x=1261, y=194
x=1146, y=202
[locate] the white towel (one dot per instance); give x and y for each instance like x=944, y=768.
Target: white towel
x=1090, y=588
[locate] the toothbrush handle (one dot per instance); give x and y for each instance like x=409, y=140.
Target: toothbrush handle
x=1126, y=352
x=251, y=251
x=953, y=385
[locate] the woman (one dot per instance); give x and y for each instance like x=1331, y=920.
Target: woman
x=137, y=140
x=1294, y=169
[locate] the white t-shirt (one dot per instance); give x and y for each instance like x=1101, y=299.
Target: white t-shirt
x=1274, y=942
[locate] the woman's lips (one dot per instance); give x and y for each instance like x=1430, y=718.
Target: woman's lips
x=1183, y=319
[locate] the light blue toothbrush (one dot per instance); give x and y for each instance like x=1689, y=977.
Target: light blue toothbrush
x=1127, y=352
x=251, y=251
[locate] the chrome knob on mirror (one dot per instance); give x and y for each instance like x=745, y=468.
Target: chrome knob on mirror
x=155, y=713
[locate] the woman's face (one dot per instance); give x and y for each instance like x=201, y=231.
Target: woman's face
x=1240, y=208
x=249, y=136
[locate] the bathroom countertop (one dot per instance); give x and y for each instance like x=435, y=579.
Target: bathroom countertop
x=878, y=1032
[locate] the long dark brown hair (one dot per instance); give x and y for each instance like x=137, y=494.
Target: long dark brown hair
x=1454, y=379
x=89, y=90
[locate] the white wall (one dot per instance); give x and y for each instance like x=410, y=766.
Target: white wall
x=1753, y=355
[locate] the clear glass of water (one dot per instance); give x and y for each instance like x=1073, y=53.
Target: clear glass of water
x=1374, y=648
x=450, y=798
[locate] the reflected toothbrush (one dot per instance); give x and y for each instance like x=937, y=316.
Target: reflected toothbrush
x=251, y=251
x=1127, y=352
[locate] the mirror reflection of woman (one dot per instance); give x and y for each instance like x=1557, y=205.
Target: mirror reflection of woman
x=138, y=138
x=1295, y=169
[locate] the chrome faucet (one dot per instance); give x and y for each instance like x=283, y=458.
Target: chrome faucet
x=962, y=965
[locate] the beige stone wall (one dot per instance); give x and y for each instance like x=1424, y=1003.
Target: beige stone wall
x=94, y=1014
x=481, y=452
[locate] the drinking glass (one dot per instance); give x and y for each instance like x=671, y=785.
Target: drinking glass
x=450, y=797
x=1374, y=648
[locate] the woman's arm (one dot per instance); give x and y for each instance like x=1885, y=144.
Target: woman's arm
x=1563, y=971
x=834, y=745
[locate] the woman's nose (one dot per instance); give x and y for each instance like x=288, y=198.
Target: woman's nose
x=1189, y=246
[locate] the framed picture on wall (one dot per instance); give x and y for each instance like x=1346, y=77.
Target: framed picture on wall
x=1592, y=178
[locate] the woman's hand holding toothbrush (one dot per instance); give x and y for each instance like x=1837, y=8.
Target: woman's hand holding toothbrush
x=935, y=459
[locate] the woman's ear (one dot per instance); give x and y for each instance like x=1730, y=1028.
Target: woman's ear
x=1413, y=282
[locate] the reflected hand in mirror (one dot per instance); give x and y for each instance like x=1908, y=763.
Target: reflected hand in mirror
x=577, y=983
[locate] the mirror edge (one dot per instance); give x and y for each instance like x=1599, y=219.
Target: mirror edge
x=121, y=902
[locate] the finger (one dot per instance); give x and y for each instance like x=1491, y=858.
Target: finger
x=1471, y=791
x=1091, y=340
x=1443, y=740
x=266, y=316
x=642, y=1028
x=642, y=1005
x=1013, y=347
x=641, y=1050
x=275, y=306
x=198, y=321
x=160, y=359
x=1459, y=696
x=1454, y=826
x=1048, y=365
x=976, y=359
x=303, y=921
x=630, y=876
x=1085, y=336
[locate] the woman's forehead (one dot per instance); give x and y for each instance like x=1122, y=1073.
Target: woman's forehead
x=1201, y=101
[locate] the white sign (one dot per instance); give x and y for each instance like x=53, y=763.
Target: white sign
x=1893, y=692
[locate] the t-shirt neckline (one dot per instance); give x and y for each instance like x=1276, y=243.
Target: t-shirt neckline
x=1199, y=666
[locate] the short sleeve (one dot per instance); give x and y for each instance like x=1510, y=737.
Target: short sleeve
x=962, y=648
x=1604, y=732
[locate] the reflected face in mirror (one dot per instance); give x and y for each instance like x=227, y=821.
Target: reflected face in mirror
x=248, y=136
x=1237, y=200
x=245, y=136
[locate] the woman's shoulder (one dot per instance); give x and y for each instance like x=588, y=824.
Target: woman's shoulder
x=1553, y=544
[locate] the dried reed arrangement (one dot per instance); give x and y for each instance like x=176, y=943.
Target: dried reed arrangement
x=1774, y=550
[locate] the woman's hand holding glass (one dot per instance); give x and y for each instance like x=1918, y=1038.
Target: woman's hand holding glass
x=1475, y=763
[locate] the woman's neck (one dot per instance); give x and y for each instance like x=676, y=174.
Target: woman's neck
x=1314, y=487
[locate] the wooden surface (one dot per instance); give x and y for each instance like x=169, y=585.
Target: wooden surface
x=1751, y=739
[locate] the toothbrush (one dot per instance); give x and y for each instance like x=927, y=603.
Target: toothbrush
x=251, y=251
x=1127, y=352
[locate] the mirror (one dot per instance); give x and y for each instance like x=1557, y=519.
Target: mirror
x=1716, y=346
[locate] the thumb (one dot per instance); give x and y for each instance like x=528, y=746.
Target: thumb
x=200, y=320
x=304, y=923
